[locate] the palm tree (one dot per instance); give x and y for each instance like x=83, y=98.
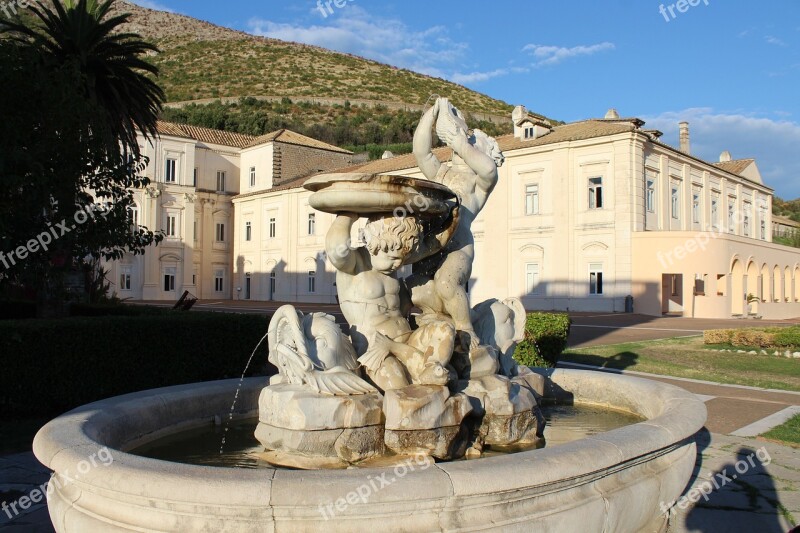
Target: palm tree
x=115, y=79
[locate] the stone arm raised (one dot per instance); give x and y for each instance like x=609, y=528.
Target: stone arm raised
x=423, y=141
x=337, y=243
x=482, y=164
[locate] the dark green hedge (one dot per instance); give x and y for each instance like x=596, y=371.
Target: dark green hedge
x=545, y=338
x=112, y=309
x=17, y=309
x=51, y=366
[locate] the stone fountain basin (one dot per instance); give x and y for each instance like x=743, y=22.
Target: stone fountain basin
x=612, y=481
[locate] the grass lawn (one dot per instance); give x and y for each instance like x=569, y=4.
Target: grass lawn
x=787, y=433
x=690, y=358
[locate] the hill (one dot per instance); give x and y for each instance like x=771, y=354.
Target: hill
x=201, y=60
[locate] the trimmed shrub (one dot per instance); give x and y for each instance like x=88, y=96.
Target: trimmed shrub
x=546, y=337
x=51, y=366
x=752, y=337
x=717, y=336
x=787, y=338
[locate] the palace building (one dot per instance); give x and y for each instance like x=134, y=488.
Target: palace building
x=597, y=215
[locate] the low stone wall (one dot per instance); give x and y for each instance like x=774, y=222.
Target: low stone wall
x=613, y=481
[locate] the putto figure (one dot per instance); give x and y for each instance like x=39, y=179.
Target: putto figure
x=375, y=303
x=439, y=286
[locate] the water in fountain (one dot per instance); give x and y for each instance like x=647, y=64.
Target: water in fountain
x=236, y=397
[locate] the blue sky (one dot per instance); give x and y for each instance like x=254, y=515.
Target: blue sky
x=732, y=68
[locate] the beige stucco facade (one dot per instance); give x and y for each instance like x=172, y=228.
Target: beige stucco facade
x=584, y=216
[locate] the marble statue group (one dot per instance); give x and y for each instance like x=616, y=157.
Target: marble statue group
x=440, y=382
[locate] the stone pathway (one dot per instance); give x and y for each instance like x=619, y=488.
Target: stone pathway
x=20, y=475
x=749, y=485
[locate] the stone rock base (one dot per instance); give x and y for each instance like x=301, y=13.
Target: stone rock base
x=510, y=412
x=328, y=446
x=426, y=420
x=443, y=443
x=297, y=407
x=300, y=427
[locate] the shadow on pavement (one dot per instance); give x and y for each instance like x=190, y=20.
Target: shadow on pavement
x=740, y=495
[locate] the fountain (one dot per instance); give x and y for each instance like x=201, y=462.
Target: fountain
x=366, y=428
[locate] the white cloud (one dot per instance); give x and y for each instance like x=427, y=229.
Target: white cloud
x=151, y=4
x=473, y=77
x=353, y=30
x=552, y=55
x=774, y=41
x=773, y=143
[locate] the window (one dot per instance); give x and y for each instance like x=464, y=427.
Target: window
x=248, y=231
x=676, y=201
x=596, y=278
x=134, y=217
x=220, y=181
x=731, y=216
x=171, y=229
x=695, y=207
x=700, y=284
x=312, y=222
x=272, y=280
x=169, y=170
x=219, y=280
x=763, y=230
x=715, y=212
x=220, y=232
x=194, y=231
x=595, y=193
x=531, y=199
x=529, y=132
x=252, y=176
x=746, y=220
x=650, y=197
x=531, y=277
x=272, y=228
x=194, y=178
x=312, y=281
x=125, y=279
x=169, y=279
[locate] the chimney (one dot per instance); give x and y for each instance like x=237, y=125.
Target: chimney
x=685, y=145
x=725, y=156
x=612, y=114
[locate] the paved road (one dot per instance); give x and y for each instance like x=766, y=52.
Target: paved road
x=593, y=329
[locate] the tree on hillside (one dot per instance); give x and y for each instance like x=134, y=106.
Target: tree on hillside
x=73, y=95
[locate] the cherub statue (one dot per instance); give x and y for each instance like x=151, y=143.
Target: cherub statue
x=375, y=303
x=439, y=287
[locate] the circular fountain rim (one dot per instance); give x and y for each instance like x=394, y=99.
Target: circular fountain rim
x=672, y=416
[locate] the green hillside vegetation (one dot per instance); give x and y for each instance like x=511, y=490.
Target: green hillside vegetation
x=192, y=70
x=199, y=60
x=356, y=128
x=786, y=208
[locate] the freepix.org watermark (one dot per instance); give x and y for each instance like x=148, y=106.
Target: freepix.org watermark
x=375, y=484
x=101, y=457
x=53, y=233
x=681, y=6
x=13, y=7
x=718, y=480
x=326, y=6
